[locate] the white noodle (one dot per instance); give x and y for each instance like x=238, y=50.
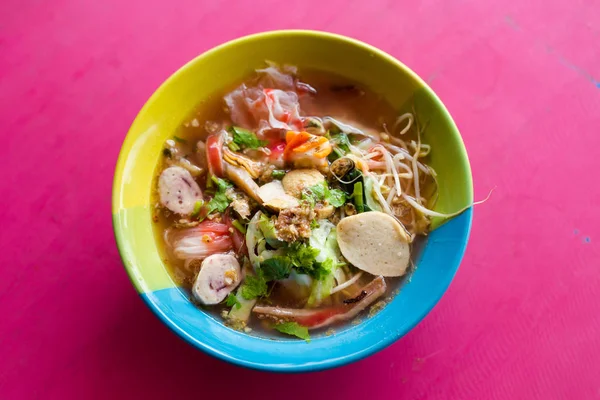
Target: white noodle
x=346, y=284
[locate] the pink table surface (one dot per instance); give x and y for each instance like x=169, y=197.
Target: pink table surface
x=520, y=321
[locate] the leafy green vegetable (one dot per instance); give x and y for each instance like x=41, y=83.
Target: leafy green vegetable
x=244, y=139
x=267, y=228
x=254, y=286
x=341, y=146
x=301, y=255
x=303, y=259
x=178, y=139
x=371, y=202
x=314, y=224
x=278, y=174
x=232, y=301
x=321, y=192
x=239, y=226
x=357, y=196
x=321, y=289
x=341, y=141
x=336, y=197
x=293, y=329
x=220, y=201
x=276, y=268
x=222, y=184
x=197, y=206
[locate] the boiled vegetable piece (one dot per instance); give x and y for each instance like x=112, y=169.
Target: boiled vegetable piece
x=178, y=190
x=374, y=242
x=219, y=275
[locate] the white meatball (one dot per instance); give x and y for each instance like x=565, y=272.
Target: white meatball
x=178, y=190
x=295, y=181
x=219, y=275
x=374, y=242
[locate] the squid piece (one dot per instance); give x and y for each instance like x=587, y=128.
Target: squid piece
x=318, y=318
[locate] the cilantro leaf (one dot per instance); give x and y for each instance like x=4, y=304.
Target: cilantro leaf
x=220, y=201
x=319, y=270
x=321, y=192
x=336, y=197
x=222, y=184
x=276, y=268
x=232, y=301
x=303, y=259
x=245, y=139
x=254, y=286
x=293, y=329
x=301, y=255
x=316, y=192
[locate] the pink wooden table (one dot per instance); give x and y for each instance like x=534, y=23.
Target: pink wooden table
x=522, y=79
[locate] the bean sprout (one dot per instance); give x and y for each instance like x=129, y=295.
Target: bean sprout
x=346, y=284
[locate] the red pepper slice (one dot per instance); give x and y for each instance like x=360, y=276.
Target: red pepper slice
x=214, y=154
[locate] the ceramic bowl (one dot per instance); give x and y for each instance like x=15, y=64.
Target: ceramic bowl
x=222, y=67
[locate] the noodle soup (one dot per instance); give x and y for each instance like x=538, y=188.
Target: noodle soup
x=293, y=202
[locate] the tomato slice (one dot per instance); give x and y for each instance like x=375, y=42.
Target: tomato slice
x=214, y=154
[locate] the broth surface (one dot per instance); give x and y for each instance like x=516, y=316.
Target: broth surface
x=335, y=97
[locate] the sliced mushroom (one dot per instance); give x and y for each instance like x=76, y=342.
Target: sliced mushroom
x=219, y=275
x=243, y=180
x=273, y=196
x=178, y=190
x=374, y=242
x=254, y=168
x=295, y=181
